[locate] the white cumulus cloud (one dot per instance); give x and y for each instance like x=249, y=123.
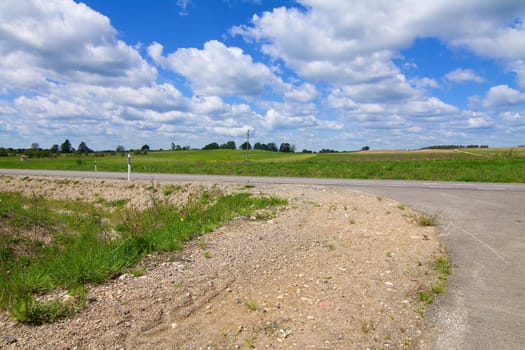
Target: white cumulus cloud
x=503, y=96
x=463, y=75
x=355, y=40
x=217, y=69
x=65, y=41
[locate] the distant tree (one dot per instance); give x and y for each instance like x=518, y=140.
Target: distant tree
x=65, y=147
x=306, y=151
x=120, y=148
x=245, y=145
x=3, y=152
x=229, y=145
x=366, y=148
x=262, y=146
x=35, y=145
x=285, y=147
x=144, y=148
x=83, y=148
x=186, y=148
x=272, y=147
x=213, y=145
x=173, y=146
x=54, y=148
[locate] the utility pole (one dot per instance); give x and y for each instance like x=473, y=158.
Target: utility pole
x=247, y=142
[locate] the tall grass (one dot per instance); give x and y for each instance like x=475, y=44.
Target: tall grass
x=74, y=246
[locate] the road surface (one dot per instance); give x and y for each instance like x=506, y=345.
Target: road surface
x=483, y=228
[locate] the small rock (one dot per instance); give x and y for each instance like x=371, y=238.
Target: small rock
x=123, y=276
x=9, y=339
x=390, y=284
x=307, y=300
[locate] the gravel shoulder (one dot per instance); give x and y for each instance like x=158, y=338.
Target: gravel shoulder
x=336, y=269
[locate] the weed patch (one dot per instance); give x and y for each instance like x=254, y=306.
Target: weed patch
x=118, y=202
x=251, y=305
x=441, y=265
x=87, y=244
x=425, y=219
x=168, y=189
x=137, y=273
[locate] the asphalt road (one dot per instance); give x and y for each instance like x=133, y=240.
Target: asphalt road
x=483, y=229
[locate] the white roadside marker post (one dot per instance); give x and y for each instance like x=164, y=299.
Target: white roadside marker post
x=129, y=167
x=95, y=166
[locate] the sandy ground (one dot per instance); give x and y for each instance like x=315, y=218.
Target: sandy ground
x=336, y=269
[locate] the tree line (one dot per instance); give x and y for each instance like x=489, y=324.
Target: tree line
x=35, y=151
x=455, y=146
x=285, y=147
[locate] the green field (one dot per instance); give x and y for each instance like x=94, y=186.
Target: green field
x=477, y=165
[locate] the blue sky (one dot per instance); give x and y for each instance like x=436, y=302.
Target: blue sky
x=339, y=74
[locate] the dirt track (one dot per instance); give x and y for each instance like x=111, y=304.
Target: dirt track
x=337, y=269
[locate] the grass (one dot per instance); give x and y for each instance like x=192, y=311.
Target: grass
x=137, y=272
x=426, y=220
x=441, y=265
x=118, y=202
x=251, y=305
x=47, y=245
x=479, y=165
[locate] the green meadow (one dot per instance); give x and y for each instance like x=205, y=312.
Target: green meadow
x=466, y=164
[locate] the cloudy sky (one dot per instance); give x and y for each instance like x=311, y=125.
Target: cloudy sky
x=337, y=74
